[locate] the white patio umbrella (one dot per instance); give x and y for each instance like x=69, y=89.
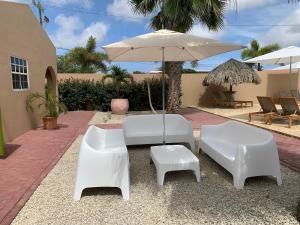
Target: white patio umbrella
x=286, y=55
x=166, y=45
x=295, y=66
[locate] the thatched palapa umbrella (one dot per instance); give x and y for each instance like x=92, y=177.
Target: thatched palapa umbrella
x=232, y=72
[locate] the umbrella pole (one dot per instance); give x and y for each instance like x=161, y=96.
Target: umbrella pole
x=290, y=73
x=163, y=95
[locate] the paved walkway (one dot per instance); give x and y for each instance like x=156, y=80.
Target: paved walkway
x=29, y=159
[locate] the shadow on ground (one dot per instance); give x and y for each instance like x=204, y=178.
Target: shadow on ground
x=9, y=150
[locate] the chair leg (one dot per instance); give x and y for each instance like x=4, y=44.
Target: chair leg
x=279, y=180
x=125, y=192
x=269, y=120
x=77, y=193
x=290, y=122
x=160, y=177
x=238, y=182
x=197, y=172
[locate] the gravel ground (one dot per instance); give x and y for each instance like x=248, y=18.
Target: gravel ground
x=180, y=201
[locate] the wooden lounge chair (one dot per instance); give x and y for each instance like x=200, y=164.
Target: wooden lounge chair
x=244, y=102
x=267, y=108
x=295, y=94
x=238, y=102
x=290, y=108
x=220, y=100
x=284, y=93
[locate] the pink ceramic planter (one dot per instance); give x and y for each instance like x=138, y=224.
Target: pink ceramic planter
x=119, y=106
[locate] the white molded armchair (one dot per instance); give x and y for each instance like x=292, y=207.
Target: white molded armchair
x=103, y=161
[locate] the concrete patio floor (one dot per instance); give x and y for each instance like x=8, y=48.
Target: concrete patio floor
x=241, y=114
x=30, y=159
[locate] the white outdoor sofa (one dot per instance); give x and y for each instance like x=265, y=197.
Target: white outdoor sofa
x=245, y=151
x=148, y=129
x=102, y=162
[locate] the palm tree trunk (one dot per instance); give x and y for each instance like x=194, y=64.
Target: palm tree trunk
x=173, y=69
x=149, y=96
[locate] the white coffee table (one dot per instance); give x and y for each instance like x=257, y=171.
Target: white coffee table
x=171, y=158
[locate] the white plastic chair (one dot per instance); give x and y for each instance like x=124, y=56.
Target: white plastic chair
x=103, y=161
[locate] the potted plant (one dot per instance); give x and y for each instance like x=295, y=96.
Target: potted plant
x=50, y=107
x=119, y=76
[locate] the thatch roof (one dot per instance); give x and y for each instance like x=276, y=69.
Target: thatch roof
x=232, y=72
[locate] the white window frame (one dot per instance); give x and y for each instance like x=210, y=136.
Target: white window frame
x=19, y=73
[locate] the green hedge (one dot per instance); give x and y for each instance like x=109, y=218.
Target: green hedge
x=79, y=94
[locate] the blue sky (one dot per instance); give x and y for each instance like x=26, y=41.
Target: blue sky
x=73, y=21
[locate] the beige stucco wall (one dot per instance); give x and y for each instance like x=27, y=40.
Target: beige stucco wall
x=22, y=36
x=193, y=93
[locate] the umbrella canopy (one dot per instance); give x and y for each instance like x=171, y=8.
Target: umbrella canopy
x=295, y=66
x=231, y=72
x=166, y=45
x=285, y=55
x=176, y=46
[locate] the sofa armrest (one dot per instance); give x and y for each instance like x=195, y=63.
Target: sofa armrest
x=257, y=159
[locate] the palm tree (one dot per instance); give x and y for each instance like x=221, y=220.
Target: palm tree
x=255, y=50
x=118, y=76
x=83, y=59
x=180, y=15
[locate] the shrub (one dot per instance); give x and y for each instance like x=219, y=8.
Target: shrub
x=78, y=94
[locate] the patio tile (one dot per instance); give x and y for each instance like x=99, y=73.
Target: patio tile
x=31, y=157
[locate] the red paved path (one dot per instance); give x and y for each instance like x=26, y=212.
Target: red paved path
x=30, y=158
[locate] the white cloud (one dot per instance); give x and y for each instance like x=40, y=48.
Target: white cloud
x=18, y=1
x=72, y=32
x=83, y=3
x=202, y=31
x=284, y=35
x=240, y=5
x=121, y=9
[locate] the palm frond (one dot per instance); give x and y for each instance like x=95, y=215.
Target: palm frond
x=49, y=104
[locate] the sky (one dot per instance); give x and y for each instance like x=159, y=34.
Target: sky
x=72, y=22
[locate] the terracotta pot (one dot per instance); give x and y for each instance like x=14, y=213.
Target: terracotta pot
x=119, y=106
x=49, y=123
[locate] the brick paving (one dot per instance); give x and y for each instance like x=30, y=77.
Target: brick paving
x=30, y=157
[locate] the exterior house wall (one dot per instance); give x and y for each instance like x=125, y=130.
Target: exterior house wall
x=193, y=93
x=23, y=37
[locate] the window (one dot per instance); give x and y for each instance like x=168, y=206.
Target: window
x=19, y=72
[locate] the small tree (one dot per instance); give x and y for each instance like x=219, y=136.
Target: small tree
x=82, y=59
x=118, y=76
x=255, y=50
